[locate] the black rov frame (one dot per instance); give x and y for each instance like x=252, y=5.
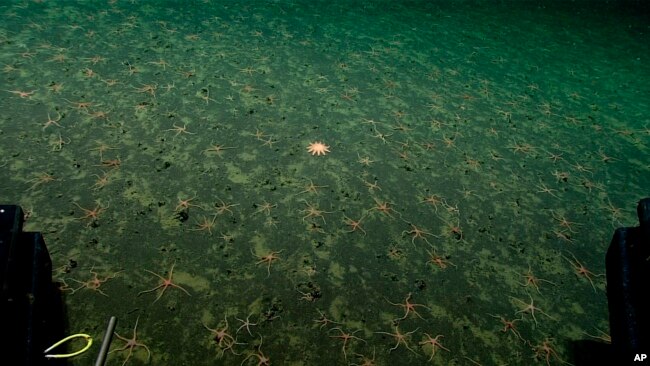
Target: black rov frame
x=31, y=306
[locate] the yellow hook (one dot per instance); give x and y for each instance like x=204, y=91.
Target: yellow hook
x=89, y=342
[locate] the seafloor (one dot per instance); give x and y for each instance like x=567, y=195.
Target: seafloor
x=481, y=155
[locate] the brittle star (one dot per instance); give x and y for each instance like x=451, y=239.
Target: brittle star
x=131, y=344
x=269, y=258
x=167, y=282
x=530, y=308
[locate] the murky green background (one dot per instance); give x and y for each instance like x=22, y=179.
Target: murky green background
x=486, y=152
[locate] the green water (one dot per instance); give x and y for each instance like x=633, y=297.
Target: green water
x=480, y=155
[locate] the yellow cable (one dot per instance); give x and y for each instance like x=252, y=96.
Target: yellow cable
x=89, y=342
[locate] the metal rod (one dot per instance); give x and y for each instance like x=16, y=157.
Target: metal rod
x=106, y=342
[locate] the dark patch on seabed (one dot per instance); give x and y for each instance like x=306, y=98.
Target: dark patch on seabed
x=479, y=157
